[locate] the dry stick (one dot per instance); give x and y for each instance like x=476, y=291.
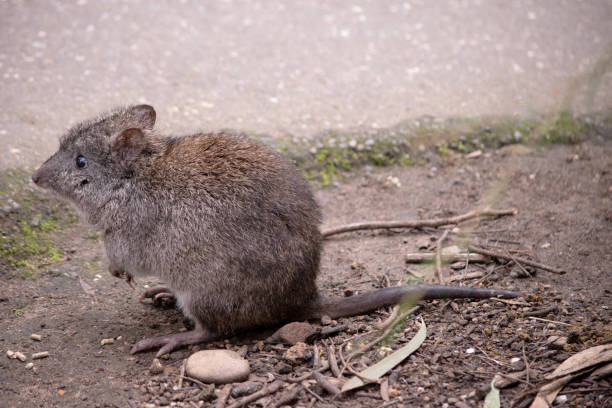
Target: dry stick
x=270, y=389
x=288, y=397
x=333, y=362
x=434, y=222
x=182, y=374
x=378, y=339
x=516, y=259
x=526, y=366
x=465, y=276
x=308, y=375
x=223, y=396
x=314, y=394
x=415, y=257
x=546, y=320
x=326, y=384
x=439, y=257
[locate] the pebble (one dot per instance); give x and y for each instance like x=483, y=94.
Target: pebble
x=556, y=342
x=156, y=367
x=298, y=353
x=326, y=320
x=217, y=366
x=36, y=337
x=295, y=332
x=42, y=354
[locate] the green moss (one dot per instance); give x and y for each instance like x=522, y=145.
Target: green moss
x=411, y=142
x=27, y=227
x=566, y=129
x=20, y=311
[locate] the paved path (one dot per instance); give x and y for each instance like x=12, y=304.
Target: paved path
x=293, y=67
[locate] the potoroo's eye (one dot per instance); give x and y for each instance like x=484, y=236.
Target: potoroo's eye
x=81, y=162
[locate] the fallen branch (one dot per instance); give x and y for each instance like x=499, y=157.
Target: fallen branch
x=270, y=389
x=439, y=257
x=434, y=222
x=501, y=255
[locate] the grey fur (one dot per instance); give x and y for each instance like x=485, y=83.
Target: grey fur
x=225, y=221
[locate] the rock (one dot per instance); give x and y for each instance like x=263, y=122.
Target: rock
x=217, y=366
x=246, y=388
x=156, y=367
x=326, y=320
x=295, y=332
x=556, y=342
x=298, y=353
x=35, y=222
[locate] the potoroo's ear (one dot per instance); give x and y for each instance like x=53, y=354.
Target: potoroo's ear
x=128, y=145
x=145, y=116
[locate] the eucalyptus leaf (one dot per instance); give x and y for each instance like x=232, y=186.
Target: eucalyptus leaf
x=492, y=398
x=383, y=366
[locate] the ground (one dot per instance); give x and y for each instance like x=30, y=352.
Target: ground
x=563, y=194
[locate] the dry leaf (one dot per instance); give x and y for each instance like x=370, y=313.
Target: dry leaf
x=379, y=369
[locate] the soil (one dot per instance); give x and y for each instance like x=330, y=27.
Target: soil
x=563, y=195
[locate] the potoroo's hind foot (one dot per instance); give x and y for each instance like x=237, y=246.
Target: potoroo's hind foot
x=171, y=342
x=157, y=294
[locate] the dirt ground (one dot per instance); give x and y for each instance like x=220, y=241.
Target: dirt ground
x=564, y=199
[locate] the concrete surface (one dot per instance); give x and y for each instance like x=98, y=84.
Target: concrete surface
x=293, y=68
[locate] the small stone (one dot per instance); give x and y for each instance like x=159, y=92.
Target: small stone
x=104, y=342
x=29, y=366
x=556, y=342
x=524, y=336
x=298, y=353
x=36, y=337
x=42, y=354
x=19, y=355
x=245, y=388
x=295, y=332
x=156, y=367
x=326, y=320
x=35, y=222
x=217, y=366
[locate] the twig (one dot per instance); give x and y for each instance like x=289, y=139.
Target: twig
x=193, y=380
x=270, y=389
x=439, y=257
x=333, y=363
x=223, y=396
x=540, y=312
x=526, y=366
x=548, y=321
x=388, y=403
x=434, y=222
x=326, y=384
x=512, y=302
x=381, y=337
x=288, y=397
x=501, y=255
x=415, y=257
x=471, y=275
x=308, y=375
x=182, y=374
x=314, y=394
